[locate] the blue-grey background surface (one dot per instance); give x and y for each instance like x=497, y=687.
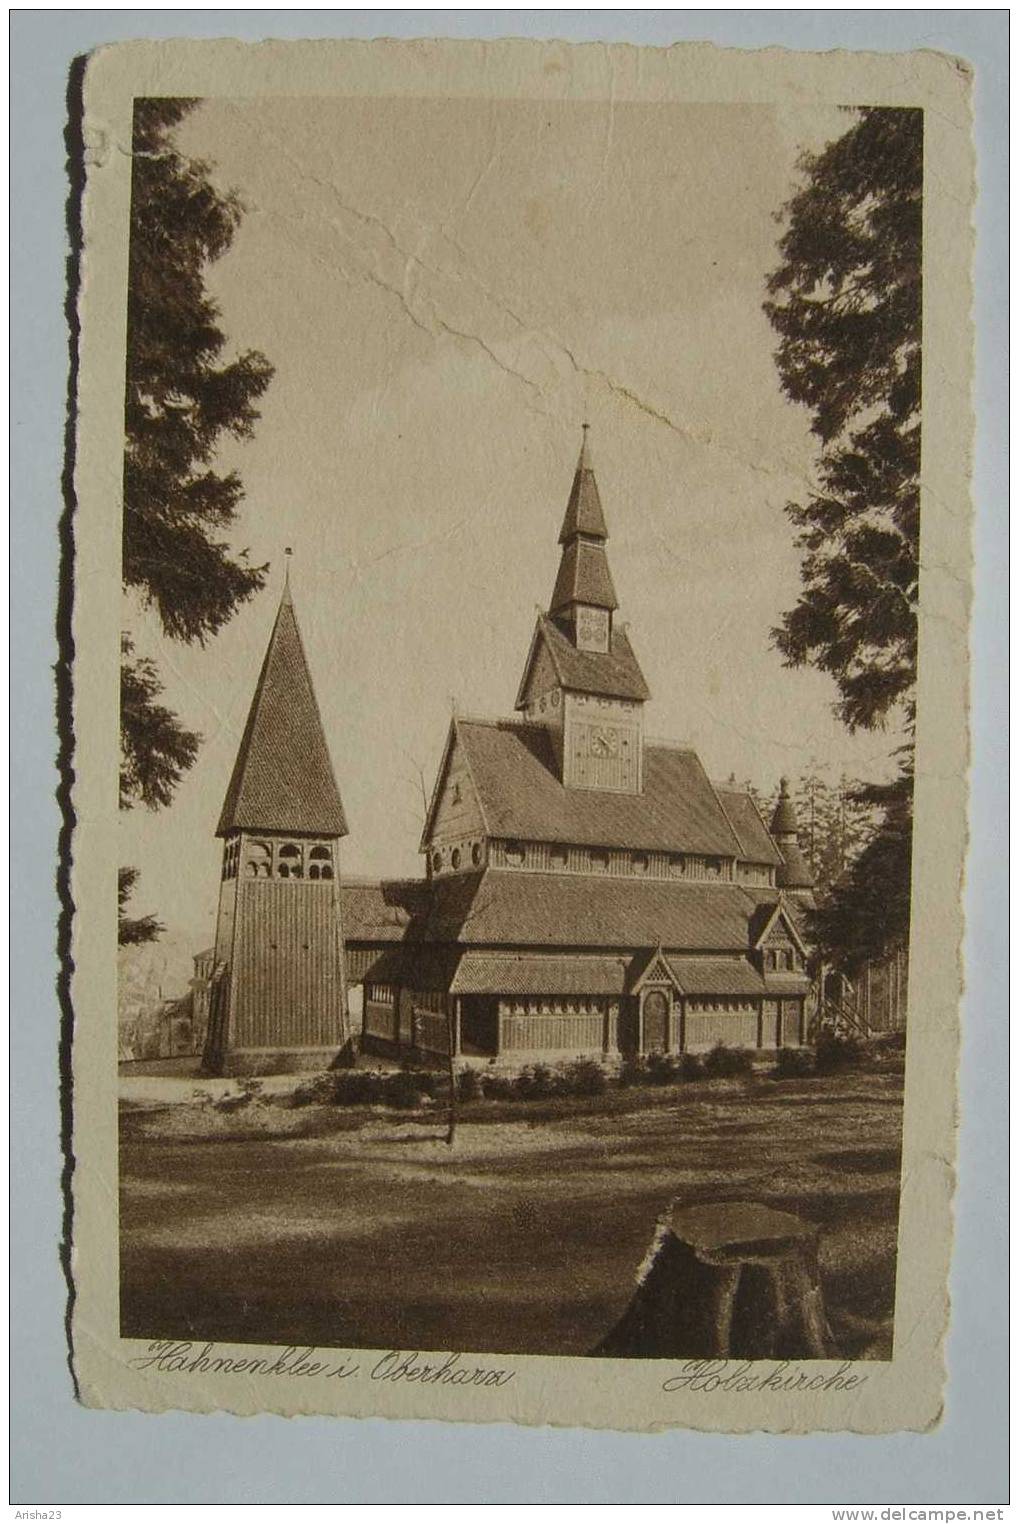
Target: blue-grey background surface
x=64, y=1454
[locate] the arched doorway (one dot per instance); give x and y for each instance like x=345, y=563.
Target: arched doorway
x=656, y=1007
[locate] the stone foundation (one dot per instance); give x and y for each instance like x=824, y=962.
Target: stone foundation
x=261, y=1062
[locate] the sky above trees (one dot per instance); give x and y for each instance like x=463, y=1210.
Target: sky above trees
x=446, y=291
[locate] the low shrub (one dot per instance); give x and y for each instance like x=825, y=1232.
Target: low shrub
x=584, y=1077
x=793, y=1063
x=497, y=1087
x=318, y=1091
x=248, y=1090
x=228, y=1103
x=404, y=1089
x=536, y=1084
x=832, y=1053
x=727, y=1063
x=468, y=1085
x=633, y=1070
x=691, y=1067
x=661, y=1069
x=355, y=1087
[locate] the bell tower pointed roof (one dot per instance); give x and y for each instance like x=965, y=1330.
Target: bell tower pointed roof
x=584, y=510
x=579, y=640
x=283, y=777
x=584, y=576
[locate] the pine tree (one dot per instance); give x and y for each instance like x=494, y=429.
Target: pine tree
x=846, y=303
x=836, y=821
x=144, y=928
x=183, y=394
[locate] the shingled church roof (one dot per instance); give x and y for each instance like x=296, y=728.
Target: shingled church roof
x=521, y=795
x=583, y=577
x=499, y=908
x=283, y=777
x=614, y=673
x=745, y=819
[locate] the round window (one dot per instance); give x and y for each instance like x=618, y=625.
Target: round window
x=456, y=857
x=476, y=854
x=436, y=862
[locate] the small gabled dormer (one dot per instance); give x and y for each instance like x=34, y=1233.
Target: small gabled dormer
x=776, y=944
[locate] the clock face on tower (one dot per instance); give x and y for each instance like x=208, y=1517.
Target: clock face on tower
x=605, y=741
x=602, y=755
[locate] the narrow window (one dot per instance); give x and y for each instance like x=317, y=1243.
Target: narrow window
x=259, y=859
x=289, y=860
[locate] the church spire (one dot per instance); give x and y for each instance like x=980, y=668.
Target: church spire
x=584, y=511
x=584, y=596
x=283, y=778
x=794, y=872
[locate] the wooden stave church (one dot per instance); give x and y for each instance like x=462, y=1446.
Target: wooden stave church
x=587, y=893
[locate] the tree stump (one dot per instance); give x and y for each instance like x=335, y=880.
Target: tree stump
x=727, y=1280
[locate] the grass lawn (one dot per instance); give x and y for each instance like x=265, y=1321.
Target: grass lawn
x=327, y=1226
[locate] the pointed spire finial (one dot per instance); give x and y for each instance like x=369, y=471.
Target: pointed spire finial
x=288, y=552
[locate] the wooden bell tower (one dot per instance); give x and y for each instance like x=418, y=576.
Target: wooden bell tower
x=279, y=997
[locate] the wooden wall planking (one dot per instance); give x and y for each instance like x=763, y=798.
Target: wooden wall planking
x=287, y=978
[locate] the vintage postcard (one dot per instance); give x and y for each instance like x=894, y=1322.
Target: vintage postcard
x=521, y=580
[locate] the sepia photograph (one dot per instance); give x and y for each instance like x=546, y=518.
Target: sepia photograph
x=520, y=562
x=519, y=632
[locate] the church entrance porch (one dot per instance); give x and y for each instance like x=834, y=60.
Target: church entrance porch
x=479, y=1026
x=656, y=1020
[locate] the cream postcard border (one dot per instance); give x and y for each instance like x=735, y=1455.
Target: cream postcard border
x=904, y=1393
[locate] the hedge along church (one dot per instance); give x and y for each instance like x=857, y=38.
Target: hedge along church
x=587, y=892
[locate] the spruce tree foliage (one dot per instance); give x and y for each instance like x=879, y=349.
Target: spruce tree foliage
x=846, y=304
x=155, y=749
x=131, y=930
x=184, y=394
x=835, y=822
x=864, y=915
